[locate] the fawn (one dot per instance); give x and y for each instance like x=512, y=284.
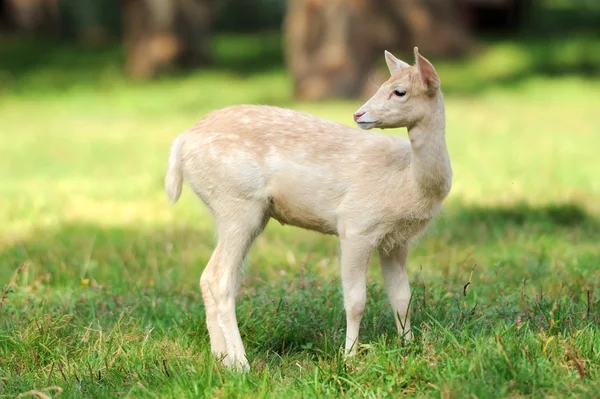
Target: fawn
x=251, y=163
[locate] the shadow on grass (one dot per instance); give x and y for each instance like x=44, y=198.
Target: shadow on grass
x=554, y=216
x=46, y=65
x=525, y=58
x=114, y=252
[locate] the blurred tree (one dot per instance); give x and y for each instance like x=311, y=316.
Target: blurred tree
x=87, y=21
x=494, y=16
x=30, y=16
x=250, y=15
x=332, y=45
x=90, y=22
x=162, y=33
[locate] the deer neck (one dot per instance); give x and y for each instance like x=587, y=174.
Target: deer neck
x=430, y=161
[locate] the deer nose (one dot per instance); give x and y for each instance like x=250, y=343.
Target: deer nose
x=358, y=115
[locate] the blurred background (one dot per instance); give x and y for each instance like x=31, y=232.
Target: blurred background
x=329, y=48
x=92, y=93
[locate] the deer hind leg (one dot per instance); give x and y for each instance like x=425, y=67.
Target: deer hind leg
x=217, y=339
x=393, y=268
x=219, y=281
x=355, y=256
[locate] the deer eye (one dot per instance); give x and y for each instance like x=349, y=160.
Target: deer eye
x=400, y=92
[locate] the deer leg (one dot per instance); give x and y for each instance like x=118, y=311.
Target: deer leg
x=217, y=339
x=221, y=276
x=393, y=268
x=355, y=256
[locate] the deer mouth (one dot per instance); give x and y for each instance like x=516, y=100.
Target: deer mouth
x=367, y=125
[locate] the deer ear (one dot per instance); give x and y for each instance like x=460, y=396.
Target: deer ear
x=429, y=76
x=393, y=63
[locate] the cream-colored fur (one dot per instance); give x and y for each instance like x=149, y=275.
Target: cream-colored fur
x=252, y=163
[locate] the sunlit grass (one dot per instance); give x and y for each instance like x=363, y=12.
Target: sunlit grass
x=108, y=302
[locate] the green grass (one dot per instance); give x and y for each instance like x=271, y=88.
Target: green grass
x=107, y=301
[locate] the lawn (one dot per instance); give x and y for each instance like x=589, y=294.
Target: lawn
x=105, y=300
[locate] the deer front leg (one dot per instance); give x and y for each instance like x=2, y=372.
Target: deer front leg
x=355, y=256
x=393, y=268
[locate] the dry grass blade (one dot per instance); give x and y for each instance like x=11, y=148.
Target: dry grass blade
x=466, y=287
x=11, y=282
x=51, y=372
x=589, y=304
x=164, y=364
x=577, y=364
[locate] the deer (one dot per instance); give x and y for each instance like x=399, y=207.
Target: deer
x=252, y=163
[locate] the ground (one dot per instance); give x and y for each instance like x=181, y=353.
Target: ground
x=105, y=300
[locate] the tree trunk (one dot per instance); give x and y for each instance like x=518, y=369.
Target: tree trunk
x=31, y=16
x=160, y=34
x=333, y=45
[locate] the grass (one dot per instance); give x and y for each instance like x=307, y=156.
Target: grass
x=105, y=300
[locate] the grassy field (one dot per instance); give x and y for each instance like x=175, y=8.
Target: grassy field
x=105, y=300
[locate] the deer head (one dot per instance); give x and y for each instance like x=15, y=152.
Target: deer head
x=405, y=98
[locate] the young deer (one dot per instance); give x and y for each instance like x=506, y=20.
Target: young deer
x=253, y=163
